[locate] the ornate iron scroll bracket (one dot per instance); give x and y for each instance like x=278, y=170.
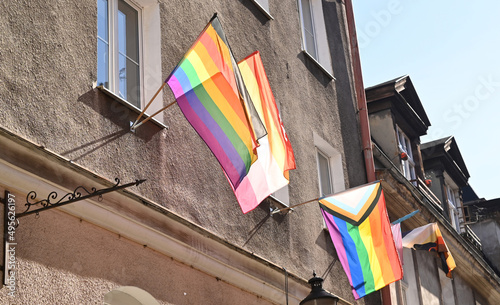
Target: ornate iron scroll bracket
x=80, y=193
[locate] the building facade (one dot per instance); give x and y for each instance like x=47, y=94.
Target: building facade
x=76, y=74
x=483, y=218
x=426, y=177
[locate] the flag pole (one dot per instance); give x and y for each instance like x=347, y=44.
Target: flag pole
x=293, y=206
x=405, y=217
x=151, y=116
x=144, y=110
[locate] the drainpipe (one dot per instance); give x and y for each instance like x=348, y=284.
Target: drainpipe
x=360, y=94
x=363, y=113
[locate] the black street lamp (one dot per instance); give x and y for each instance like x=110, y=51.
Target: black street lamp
x=318, y=295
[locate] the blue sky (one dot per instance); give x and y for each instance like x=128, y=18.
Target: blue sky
x=450, y=50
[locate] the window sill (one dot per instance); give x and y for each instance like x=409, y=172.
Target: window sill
x=263, y=10
x=321, y=67
x=277, y=202
x=130, y=106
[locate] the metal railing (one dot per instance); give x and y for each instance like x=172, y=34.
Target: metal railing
x=472, y=238
x=428, y=193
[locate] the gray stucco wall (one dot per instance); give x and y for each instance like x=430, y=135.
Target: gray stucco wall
x=488, y=231
x=464, y=293
x=410, y=278
x=384, y=133
x=48, y=66
x=448, y=294
x=63, y=260
x=430, y=286
x=436, y=177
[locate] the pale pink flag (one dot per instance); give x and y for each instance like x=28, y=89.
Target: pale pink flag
x=398, y=239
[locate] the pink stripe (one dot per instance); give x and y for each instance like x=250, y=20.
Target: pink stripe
x=176, y=87
x=253, y=189
x=245, y=194
x=339, y=246
x=398, y=240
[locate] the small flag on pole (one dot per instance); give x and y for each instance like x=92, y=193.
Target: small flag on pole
x=270, y=172
x=429, y=238
x=361, y=233
x=210, y=93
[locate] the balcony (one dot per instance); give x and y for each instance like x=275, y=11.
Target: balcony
x=471, y=237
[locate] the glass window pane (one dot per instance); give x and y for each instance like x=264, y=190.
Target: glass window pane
x=307, y=20
x=102, y=63
x=133, y=88
x=128, y=53
x=102, y=19
x=128, y=30
x=324, y=174
x=122, y=32
x=122, y=76
x=102, y=44
x=264, y=4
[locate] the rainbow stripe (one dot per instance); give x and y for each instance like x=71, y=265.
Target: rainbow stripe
x=270, y=172
x=206, y=86
x=366, y=251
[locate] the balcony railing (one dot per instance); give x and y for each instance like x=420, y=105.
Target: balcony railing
x=472, y=238
x=422, y=187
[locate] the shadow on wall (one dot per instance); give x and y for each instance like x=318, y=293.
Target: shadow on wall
x=315, y=70
x=111, y=111
x=255, y=11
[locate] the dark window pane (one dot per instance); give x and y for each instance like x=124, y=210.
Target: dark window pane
x=102, y=44
x=128, y=53
x=324, y=174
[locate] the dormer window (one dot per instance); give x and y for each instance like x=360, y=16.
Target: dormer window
x=453, y=206
x=407, y=163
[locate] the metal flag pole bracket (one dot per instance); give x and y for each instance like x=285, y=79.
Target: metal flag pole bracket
x=276, y=210
x=80, y=193
x=290, y=208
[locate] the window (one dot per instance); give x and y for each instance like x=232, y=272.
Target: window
x=404, y=292
x=308, y=28
x=118, y=63
x=263, y=5
x=330, y=168
x=453, y=205
x=467, y=214
x=407, y=165
x=325, y=182
x=314, y=38
x=129, y=51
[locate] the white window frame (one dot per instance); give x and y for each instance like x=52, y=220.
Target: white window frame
x=404, y=292
x=263, y=6
x=408, y=166
x=322, y=192
x=453, y=206
x=149, y=54
x=113, y=52
x=322, y=57
x=335, y=164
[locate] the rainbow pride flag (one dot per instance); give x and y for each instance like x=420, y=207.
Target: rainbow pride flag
x=210, y=93
x=361, y=234
x=270, y=172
